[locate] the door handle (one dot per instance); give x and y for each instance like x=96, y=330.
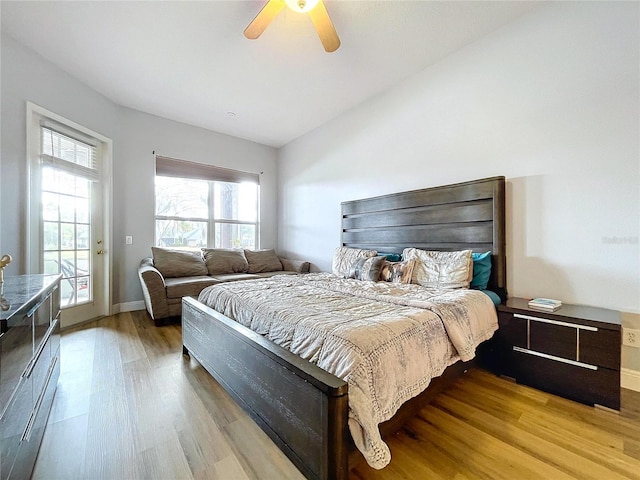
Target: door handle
x=100, y=252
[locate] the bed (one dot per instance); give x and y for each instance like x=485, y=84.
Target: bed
x=303, y=408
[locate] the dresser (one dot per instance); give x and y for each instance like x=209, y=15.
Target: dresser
x=29, y=367
x=573, y=352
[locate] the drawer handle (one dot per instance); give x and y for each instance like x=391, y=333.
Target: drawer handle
x=32, y=363
x=556, y=322
x=26, y=435
x=553, y=357
x=33, y=309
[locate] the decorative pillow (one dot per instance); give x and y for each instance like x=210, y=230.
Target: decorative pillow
x=263, y=261
x=391, y=257
x=344, y=257
x=481, y=270
x=397, y=272
x=440, y=269
x=178, y=263
x=367, y=268
x=220, y=260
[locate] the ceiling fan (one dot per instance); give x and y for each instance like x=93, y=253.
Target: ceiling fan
x=315, y=9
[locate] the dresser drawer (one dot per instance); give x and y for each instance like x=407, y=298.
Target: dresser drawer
x=13, y=424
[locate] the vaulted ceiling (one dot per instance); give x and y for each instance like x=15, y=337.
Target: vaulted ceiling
x=189, y=61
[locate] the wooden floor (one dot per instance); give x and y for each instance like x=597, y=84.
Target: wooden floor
x=130, y=406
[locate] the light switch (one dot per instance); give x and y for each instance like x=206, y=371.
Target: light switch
x=128, y=240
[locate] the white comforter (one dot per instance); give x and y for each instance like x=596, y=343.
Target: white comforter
x=386, y=340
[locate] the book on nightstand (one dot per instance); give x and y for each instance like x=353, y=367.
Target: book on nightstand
x=546, y=304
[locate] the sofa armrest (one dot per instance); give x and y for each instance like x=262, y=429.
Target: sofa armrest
x=298, y=266
x=154, y=289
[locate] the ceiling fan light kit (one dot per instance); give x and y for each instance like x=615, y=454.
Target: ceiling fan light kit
x=316, y=10
x=301, y=6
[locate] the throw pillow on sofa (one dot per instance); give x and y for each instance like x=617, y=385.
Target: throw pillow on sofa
x=261, y=261
x=178, y=263
x=221, y=260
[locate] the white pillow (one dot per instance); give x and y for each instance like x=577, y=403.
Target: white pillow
x=440, y=269
x=344, y=257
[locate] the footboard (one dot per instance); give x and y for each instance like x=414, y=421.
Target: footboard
x=302, y=408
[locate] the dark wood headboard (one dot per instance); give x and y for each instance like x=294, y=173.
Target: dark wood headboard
x=462, y=216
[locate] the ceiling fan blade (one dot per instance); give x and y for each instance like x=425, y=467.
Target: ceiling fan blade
x=324, y=27
x=263, y=19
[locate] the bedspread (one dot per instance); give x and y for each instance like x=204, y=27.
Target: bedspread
x=386, y=340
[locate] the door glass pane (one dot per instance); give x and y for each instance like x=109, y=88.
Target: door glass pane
x=50, y=203
x=67, y=236
x=82, y=236
x=83, y=279
x=51, y=236
x=66, y=233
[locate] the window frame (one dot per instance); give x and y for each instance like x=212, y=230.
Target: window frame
x=210, y=172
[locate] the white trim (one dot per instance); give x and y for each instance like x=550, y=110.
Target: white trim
x=630, y=379
x=127, y=307
x=35, y=113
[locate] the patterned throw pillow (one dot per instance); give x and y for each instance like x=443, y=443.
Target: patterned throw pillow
x=436, y=269
x=397, y=272
x=367, y=269
x=344, y=257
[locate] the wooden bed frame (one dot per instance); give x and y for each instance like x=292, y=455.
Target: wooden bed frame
x=303, y=408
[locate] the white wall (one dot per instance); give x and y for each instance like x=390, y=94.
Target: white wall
x=135, y=170
x=28, y=77
x=550, y=101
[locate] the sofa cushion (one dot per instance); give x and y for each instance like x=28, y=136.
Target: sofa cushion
x=296, y=266
x=223, y=261
x=188, y=286
x=178, y=263
x=261, y=261
x=271, y=274
x=232, y=277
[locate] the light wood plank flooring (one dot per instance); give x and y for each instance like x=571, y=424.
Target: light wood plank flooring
x=130, y=406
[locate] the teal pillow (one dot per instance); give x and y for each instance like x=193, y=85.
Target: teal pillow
x=493, y=296
x=481, y=270
x=391, y=257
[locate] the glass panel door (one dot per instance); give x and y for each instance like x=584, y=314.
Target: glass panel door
x=66, y=216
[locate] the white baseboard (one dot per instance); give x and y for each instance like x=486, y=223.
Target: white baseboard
x=127, y=307
x=630, y=379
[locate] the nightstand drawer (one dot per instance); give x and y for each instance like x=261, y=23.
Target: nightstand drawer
x=601, y=348
x=557, y=340
x=573, y=352
x=592, y=386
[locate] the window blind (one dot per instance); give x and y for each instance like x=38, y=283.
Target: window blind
x=171, y=167
x=72, y=155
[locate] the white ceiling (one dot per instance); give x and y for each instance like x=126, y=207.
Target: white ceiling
x=189, y=61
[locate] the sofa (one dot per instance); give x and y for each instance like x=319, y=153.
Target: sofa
x=171, y=274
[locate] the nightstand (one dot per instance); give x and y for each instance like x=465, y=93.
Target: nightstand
x=573, y=352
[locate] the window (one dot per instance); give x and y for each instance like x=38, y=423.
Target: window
x=205, y=206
